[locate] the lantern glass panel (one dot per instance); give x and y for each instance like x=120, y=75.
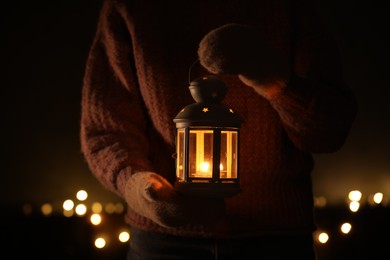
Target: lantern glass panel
x=200, y=153
x=180, y=154
x=228, y=157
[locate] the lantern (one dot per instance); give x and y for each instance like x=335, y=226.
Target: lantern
x=207, y=142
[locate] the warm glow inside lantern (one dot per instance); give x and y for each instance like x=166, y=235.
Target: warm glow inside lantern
x=207, y=142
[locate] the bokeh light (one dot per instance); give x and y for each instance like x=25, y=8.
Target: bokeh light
x=355, y=195
x=346, y=228
x=47, y=209
x=100, y=242
x=323, y=237
x=68, y=205
x=81, y=209
x=81, y=195
x=124, y=236
x=97, y=207
x=96, y=219
x=378, y=197
x=354, y=206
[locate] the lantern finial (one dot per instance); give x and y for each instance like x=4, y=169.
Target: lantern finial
x=208, y=89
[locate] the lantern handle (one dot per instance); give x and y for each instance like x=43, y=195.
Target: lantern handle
x=189, y=71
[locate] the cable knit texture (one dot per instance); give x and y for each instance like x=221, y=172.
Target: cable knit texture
x=136, y=81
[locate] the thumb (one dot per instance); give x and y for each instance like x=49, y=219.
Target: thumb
x=158, y=188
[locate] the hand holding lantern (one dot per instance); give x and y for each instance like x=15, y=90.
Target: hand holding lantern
x=152, y=196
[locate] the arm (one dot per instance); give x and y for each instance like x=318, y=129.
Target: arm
x=315, y=106
x=114, y=132
x=113, y=122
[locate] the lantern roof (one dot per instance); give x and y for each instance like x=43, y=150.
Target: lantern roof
x=209, y=110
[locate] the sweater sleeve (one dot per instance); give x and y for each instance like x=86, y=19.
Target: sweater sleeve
x=317, y=108
x=113, y=118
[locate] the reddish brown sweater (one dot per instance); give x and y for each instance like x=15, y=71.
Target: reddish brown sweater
x=136, y=81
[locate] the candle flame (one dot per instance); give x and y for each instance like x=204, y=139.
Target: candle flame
x=204, y=167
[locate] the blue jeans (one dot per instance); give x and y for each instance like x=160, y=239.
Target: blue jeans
x=154, y=246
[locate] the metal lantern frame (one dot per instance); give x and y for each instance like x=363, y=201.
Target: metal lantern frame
x=207, y=142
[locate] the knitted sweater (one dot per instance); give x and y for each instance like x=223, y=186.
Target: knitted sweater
x=136, y=81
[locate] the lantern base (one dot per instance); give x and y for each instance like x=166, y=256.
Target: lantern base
x=209, y=190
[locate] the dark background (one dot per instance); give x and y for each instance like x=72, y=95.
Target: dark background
x=361, y=28
x=43, y=51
